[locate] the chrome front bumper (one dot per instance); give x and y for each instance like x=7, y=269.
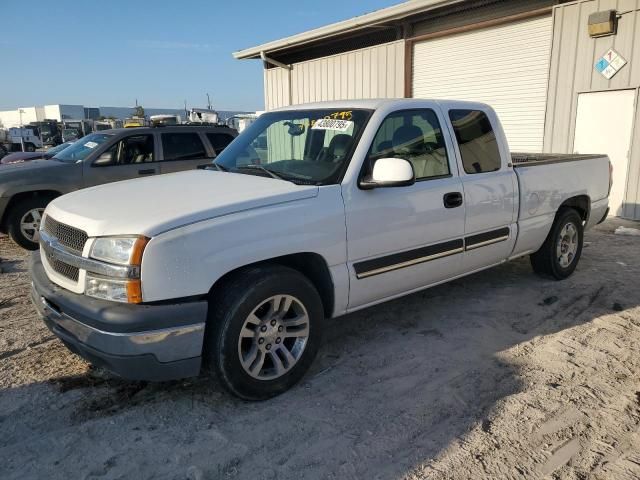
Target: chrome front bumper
x=140, y=342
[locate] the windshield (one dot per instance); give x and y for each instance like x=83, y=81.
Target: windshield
x=82, y=148
x=55, y=150
x=303, y=146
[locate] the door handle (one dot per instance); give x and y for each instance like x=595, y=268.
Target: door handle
x=452, y=199
x=148, y=171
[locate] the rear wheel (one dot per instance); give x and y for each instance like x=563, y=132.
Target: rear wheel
x=559, y=255
x=29, y=147
x=23, y=222
x=264, y=331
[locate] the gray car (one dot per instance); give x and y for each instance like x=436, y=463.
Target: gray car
x=98, y=158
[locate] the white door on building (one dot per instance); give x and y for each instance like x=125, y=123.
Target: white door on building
x=604, y=124
x=506, y=66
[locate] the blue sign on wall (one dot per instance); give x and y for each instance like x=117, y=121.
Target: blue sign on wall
x=601, y=65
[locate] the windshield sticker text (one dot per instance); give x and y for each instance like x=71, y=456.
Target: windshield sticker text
x=345, y=115
x=331, y=124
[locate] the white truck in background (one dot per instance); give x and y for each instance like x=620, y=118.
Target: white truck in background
x=18, y=139
x=349, y=204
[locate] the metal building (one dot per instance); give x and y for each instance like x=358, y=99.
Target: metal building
x=586, y=110
x=534, y=61
x=483, y=50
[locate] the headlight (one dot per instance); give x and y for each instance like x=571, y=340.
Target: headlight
x=125, y=251
x=119, y=250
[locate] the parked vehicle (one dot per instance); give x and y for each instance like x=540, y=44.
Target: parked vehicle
x=353, y=204
x=134, y=122
x=21, y=139
x=73, y=130
x=50, y=132
x=242, y=121
x=162, y=120
x=108, y=156
x=18, y=157
x=203, y=115
x=71, y=134
x=106, y=124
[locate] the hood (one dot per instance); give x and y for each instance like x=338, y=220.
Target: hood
x=153, y=205
x=22, y=157
x=35, y=172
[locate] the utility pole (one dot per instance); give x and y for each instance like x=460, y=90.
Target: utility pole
x=208, y=102
x=21, y=111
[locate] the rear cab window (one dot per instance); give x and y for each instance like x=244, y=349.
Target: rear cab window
x=182, y=146
x=476, y=140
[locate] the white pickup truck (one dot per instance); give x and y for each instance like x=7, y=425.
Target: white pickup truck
x=313, y=212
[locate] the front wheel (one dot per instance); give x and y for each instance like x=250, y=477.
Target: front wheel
x=264, y=331
x=559, y=255
x=23, y=222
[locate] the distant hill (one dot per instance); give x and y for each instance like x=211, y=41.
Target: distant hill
x=124, y=112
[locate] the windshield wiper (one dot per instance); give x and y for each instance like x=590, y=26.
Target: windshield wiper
x=271, y=173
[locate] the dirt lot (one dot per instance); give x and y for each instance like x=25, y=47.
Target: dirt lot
x=499, y=375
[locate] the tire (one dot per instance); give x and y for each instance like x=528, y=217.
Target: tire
x=560, y=253
x=29, y=147
x=248, y=299
x=25, y=212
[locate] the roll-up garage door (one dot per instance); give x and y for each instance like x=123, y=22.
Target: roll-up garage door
x=505, y=66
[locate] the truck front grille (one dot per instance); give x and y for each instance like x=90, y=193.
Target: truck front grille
x=70, y=237
x=64, y=269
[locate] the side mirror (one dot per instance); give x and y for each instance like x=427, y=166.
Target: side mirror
x=389, y=172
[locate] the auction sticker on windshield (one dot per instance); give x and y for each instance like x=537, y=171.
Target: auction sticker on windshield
x=91, y=144
x=331, y=124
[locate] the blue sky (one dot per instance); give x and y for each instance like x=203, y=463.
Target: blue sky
x=160, y=52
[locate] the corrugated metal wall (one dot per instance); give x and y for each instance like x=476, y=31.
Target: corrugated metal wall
x=572, y=72
x=374, y=72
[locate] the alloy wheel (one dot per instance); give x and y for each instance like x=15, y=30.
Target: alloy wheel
x=30, y=224
x=567, y=245
x=273, y=337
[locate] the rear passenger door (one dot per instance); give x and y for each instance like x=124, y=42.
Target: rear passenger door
x=132, y=156
x=488, y=182
x=183, y=151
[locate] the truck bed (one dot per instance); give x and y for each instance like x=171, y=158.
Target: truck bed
x=533, y=159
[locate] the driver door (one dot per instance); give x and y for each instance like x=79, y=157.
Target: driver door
x=404, y=238
x=133, y=156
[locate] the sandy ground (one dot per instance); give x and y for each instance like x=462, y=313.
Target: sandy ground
x=498, y=375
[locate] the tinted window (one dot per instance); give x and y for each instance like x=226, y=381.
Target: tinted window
x=182, y=146
x=130, y=150
x=477, y=141
x=219, y=141
x=416, y=136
